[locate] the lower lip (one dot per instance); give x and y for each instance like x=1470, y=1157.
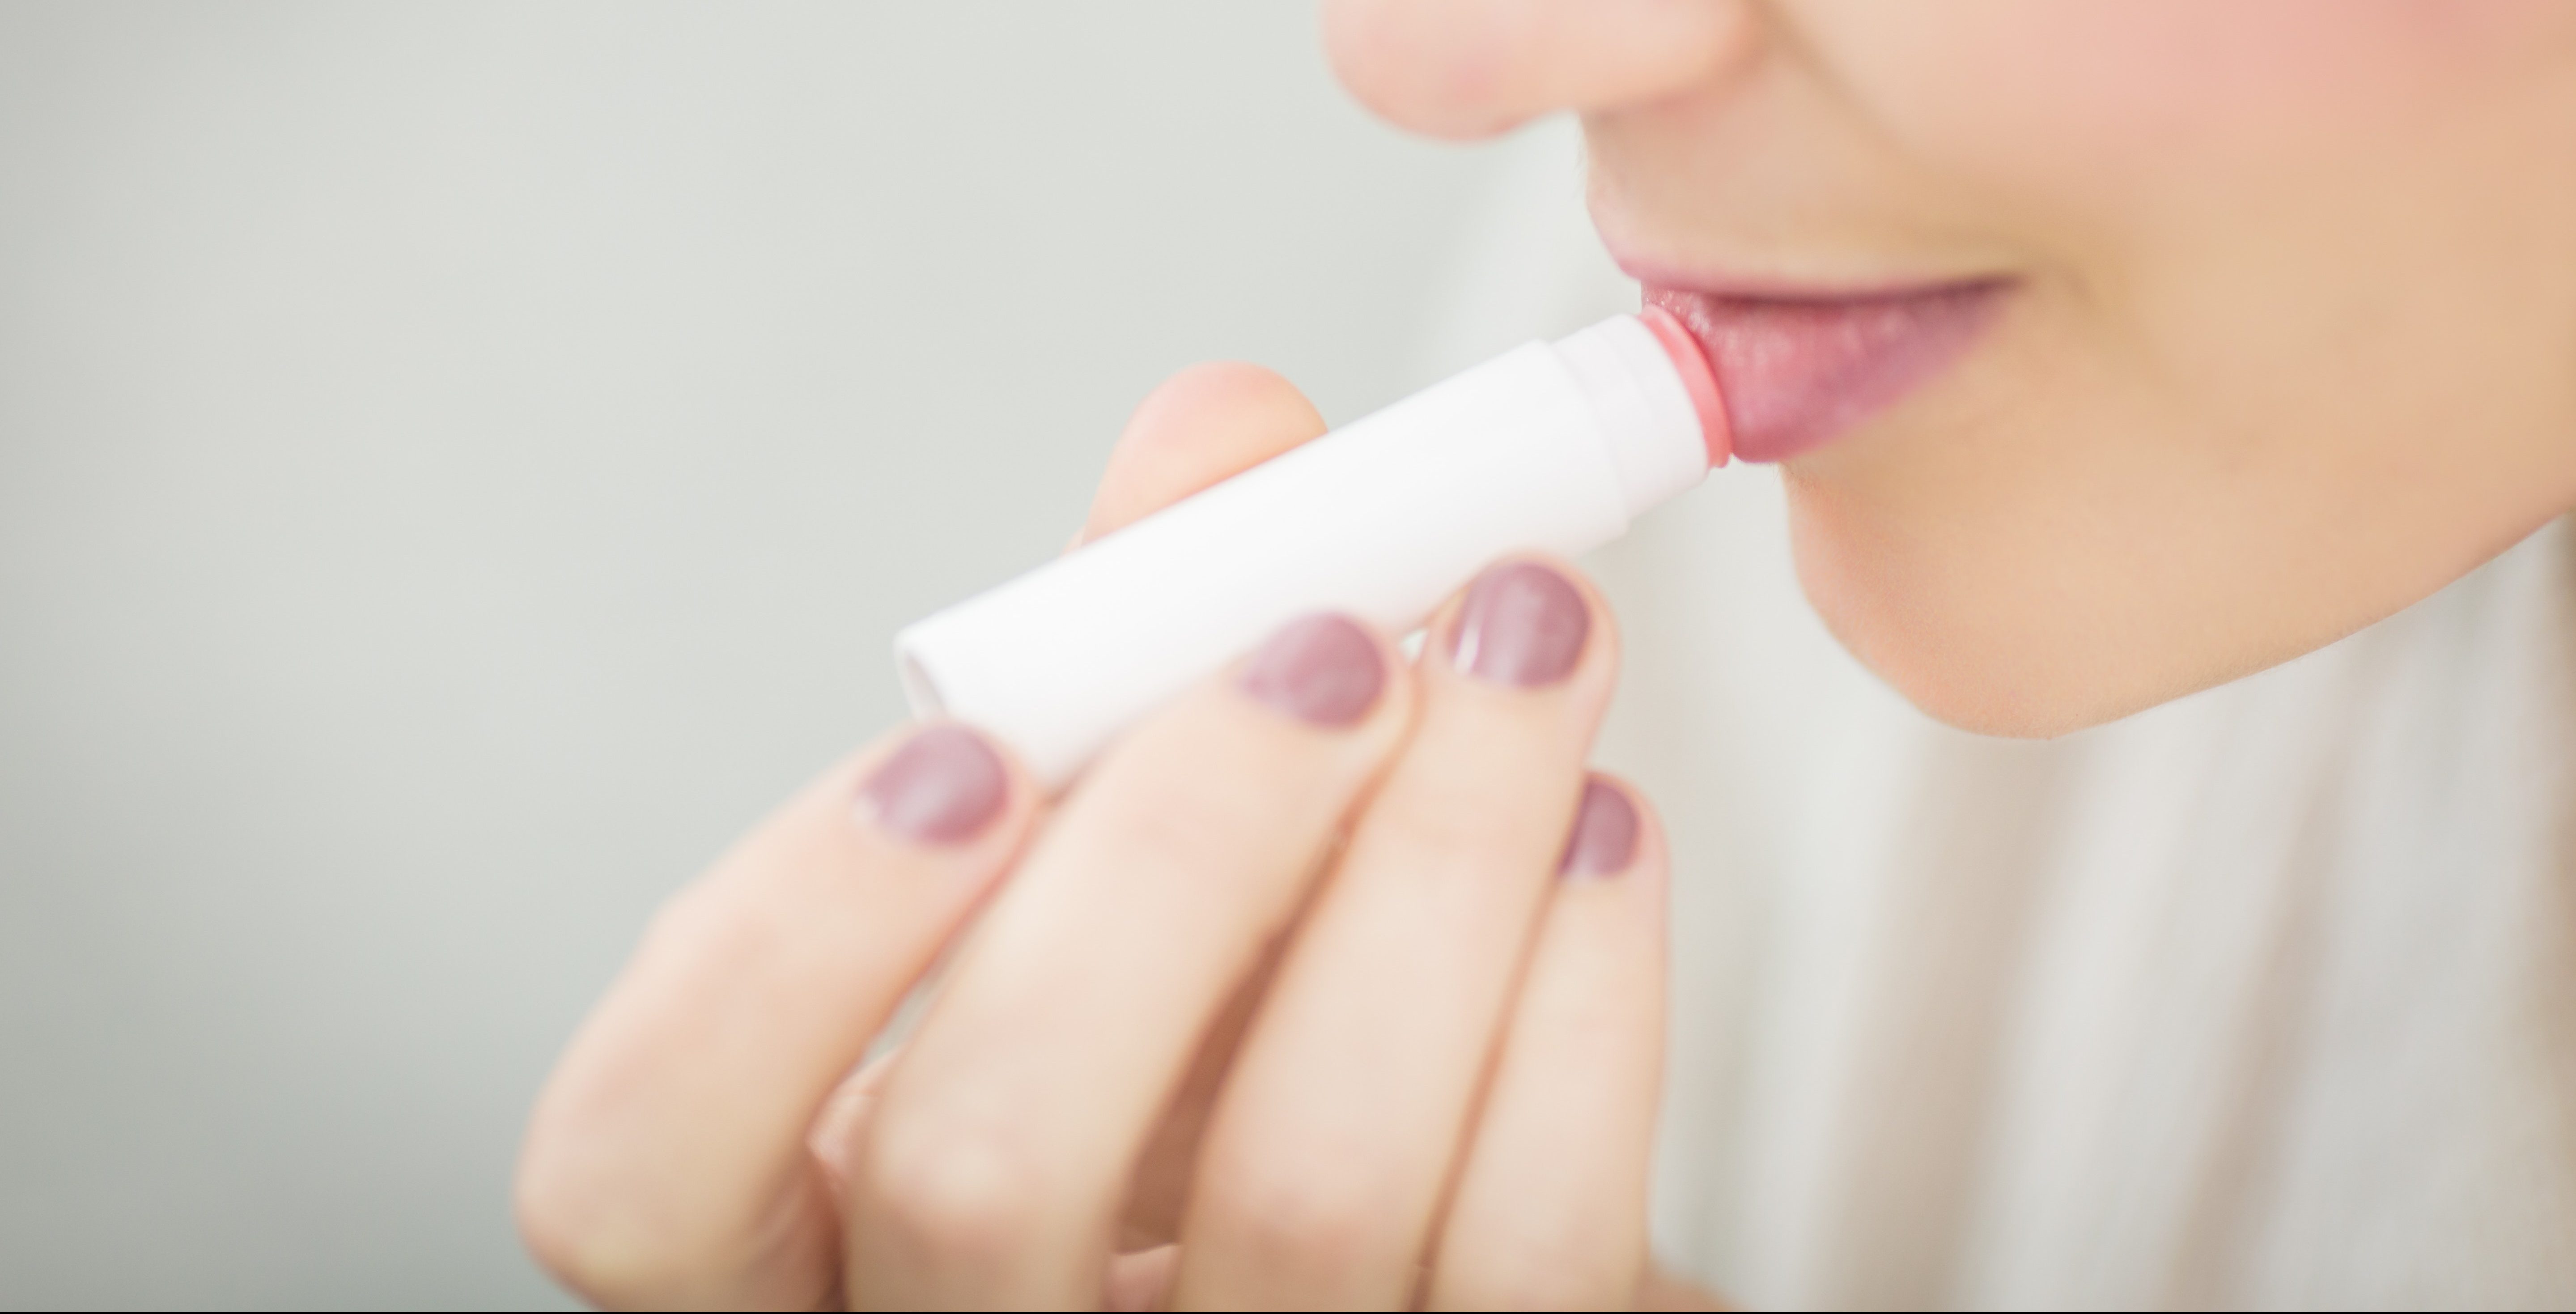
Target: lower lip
x=1798, y=372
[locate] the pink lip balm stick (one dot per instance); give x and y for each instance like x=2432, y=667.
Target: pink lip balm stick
x=1552, y=447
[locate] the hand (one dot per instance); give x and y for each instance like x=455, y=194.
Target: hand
x=1339, y=971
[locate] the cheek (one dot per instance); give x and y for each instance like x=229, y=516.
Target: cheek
x=2297, y=346
x=2023, y=554
x=2075, y=103
x=2252, y=455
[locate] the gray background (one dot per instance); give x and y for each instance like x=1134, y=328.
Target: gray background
x=460, y=464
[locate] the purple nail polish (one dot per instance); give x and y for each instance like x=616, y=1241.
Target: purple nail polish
x=1605, y=833
x=942, y=787
x=1324, y=670
x=1523, y=624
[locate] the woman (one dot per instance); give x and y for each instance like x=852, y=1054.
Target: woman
x=2110, y=353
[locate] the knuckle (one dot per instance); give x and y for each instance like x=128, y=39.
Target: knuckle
x=1446, y=818
x=947, y=1187
x=1516, y=1280
x=576, y=1226
x=1463, y=821
x=1196, y=796
x=1567, y=1271
x=1287, y=1214
x=622, y=1229
x=1190, y=829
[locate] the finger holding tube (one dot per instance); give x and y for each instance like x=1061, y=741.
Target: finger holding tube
x=1549, y=1209
x=666, y=1161
x=1198, y=428
x=1330, y=1146
x=998, y=1153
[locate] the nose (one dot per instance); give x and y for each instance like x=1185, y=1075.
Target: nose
x=1470, y=68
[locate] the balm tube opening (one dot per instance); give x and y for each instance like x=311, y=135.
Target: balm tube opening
x=1698, y=378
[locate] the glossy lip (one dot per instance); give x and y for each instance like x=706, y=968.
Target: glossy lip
x=1799, y=366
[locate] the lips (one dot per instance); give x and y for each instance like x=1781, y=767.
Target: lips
x=1796, y=371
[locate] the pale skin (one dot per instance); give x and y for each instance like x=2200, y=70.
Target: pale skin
x=1447, y=1088
x=2294, y=336
x=1272, y=1013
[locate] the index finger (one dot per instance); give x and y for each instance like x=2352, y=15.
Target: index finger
x=666, y=1161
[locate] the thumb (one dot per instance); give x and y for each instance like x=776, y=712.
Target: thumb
x=1203, y=425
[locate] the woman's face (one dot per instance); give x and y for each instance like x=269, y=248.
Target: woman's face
x=2274, y=301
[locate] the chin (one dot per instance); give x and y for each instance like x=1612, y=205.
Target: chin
x=1980, y=651
x=1957, y=683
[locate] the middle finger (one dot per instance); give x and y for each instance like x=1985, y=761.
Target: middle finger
x=992, y=1167
x=1334, y=1137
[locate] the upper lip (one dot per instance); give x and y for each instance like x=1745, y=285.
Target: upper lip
x=1746, y=285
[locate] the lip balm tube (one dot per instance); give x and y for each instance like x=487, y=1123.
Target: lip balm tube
x=1551, y=447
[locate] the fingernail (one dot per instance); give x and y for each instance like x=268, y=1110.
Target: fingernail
x=1324, y=670
x=944, y=786
x=1605, y=832
x=1523, y=624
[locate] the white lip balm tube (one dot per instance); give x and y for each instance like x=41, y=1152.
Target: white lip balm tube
x=1552, y=447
